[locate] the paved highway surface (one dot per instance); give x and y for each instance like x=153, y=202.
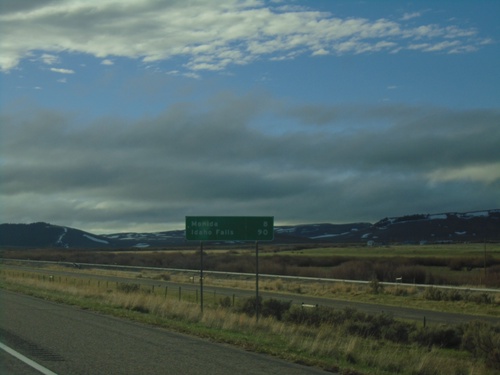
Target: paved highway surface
x=67, y=340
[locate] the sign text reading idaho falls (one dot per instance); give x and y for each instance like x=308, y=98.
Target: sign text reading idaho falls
x=230, y=228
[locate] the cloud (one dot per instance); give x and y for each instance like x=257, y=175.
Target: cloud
x=107, y=62
x=209, y=36
x=118, y=175
x=62, y=71
x=320, y=52
x=409, y=16
x=487, y=173
x=49, y=59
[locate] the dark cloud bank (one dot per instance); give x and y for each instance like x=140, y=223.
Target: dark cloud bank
x=335, y=164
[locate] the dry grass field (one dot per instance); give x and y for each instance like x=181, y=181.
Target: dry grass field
x=472, y=264
x=344, y=341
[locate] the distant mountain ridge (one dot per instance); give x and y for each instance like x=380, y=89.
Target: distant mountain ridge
x=473, y=226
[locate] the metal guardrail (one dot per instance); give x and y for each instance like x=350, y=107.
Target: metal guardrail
x=298, y=278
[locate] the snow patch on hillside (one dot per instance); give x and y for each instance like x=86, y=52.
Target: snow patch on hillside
x=60, y=239
x=95, y=239
x=469, y=215
x=285, y=230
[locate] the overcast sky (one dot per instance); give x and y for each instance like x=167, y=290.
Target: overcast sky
x=128, y=115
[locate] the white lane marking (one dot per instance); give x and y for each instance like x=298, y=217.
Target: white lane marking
x=26, y=360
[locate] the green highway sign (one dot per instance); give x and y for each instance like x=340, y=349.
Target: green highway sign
x=230, y=228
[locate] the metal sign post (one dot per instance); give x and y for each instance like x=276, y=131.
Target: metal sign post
x=201, y=275
x=257, y=280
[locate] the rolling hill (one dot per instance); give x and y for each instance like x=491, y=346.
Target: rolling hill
x=450, y=227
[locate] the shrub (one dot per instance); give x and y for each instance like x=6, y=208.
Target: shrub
x=453, y=295
x=375, y=286
x=397, y=332
x=128, y=287
x=381, y=326
x=312, y=317
x=482, y=298
x=249, y=306
x=141, y=308
x=275, y=308
x=456, y=264
x=377, y=326
x=225, y=302
x=483, y=341
x=402, y=292
x=363, y=329
x=442, y=336
x=278, y=285
x=433, y=294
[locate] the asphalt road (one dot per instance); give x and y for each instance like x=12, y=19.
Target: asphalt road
x=10, y=365
x=68, y=340
x=401, y=312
